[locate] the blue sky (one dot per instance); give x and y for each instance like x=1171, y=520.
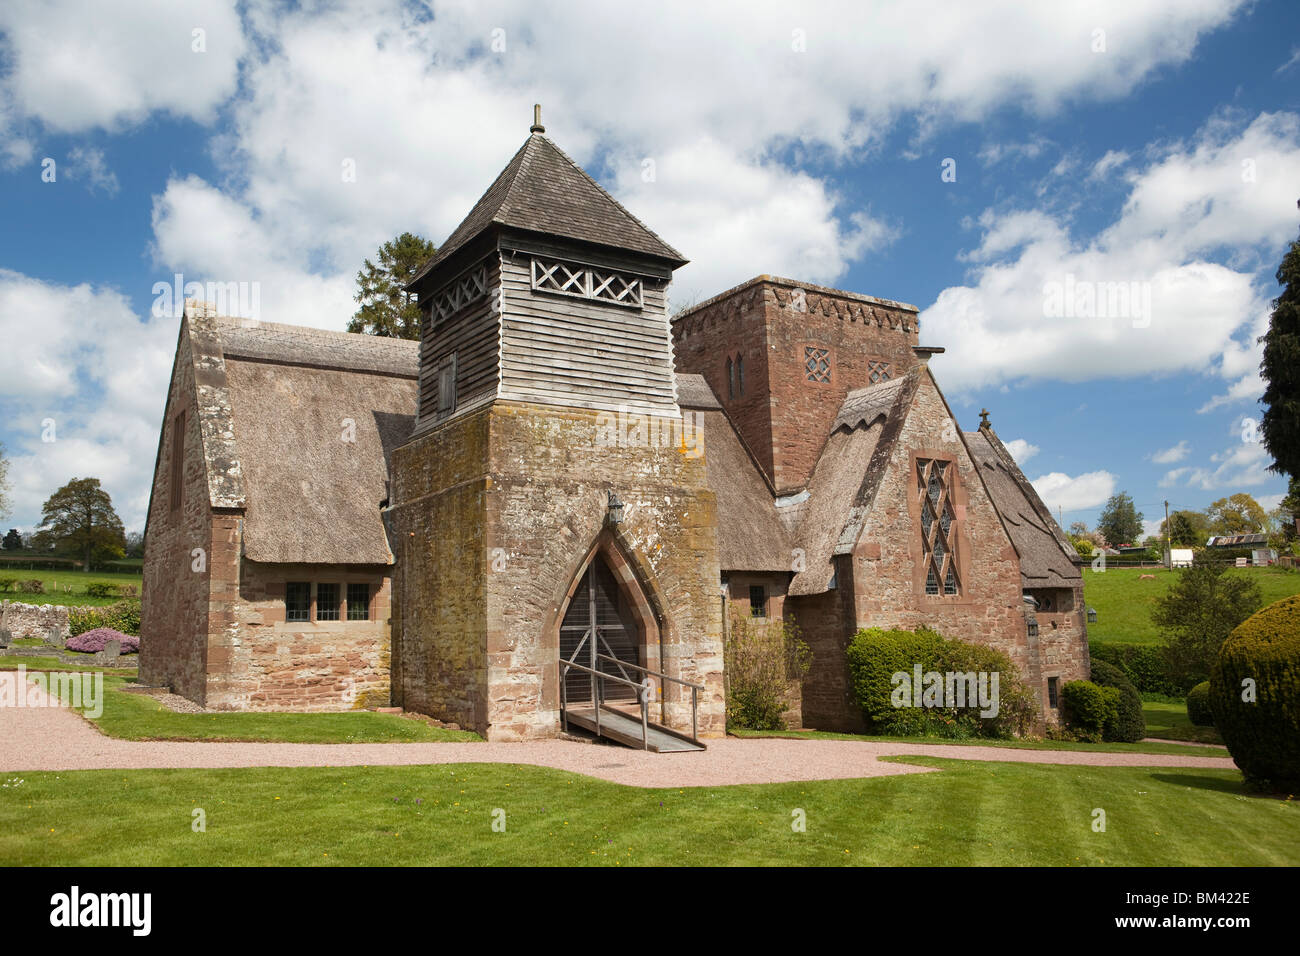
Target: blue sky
x=1155, y=144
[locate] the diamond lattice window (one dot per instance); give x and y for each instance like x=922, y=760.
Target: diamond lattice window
x=587, y=282
x=817, y=364
x=878, y=372
x=457, y=294
x=935, y=492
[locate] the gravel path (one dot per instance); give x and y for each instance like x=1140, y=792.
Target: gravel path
x=54, y=738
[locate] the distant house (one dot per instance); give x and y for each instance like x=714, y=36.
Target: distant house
x=1238, y=541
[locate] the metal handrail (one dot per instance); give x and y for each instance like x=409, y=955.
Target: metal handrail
x=695, y=690
x=642, y=695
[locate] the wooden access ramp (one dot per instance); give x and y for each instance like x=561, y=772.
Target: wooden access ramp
x=625, y=729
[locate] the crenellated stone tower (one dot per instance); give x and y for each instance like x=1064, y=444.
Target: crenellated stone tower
x=549, y=481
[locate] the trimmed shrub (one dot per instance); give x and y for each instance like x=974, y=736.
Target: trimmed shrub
x=1142, y=664
x=1129, y=726
x=1262, y=730
x=1198, y=705
x=34, y=586
x=91, y=642
x=875, y=656
x=100, y=589
x=1087, y=708
x=7, y=584
x=122, y=616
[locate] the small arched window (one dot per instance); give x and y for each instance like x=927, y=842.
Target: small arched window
x=731, y=380
x=740, y=373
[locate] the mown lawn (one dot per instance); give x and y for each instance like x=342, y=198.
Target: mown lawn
x=1170, y=721
x=65, y=587
x=1124, y=602
x=141, y=717
x=1187, y=750
x=970, y=813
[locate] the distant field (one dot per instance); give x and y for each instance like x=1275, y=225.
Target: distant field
x=65, y=587
x=1124, y=602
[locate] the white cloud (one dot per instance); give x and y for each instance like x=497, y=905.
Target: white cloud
x=1184, y=312
x=76, y=66
x=1059, y=490
x=1113, y=159
x=79, y=356
x=1241, y=464
x=86, y=164
x=429, y=111
x=1151, y=526
x=1168, y=456
x=1021, y=450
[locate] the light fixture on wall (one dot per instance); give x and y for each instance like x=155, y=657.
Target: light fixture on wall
x=1033, y=627
x=615, y=509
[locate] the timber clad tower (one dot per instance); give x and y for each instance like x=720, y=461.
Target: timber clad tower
x=544, y=319
x=559, y=494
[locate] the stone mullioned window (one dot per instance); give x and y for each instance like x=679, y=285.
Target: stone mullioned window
x=937, y=526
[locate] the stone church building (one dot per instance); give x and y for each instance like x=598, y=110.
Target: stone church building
x=560, y=477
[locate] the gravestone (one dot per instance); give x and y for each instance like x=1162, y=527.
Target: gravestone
x=5, y=637
x=112, y=650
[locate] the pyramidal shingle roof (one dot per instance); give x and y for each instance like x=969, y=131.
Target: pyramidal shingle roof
x=543, y=190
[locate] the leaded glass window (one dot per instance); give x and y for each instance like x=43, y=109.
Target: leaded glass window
x=817, y=364
x=935, y=492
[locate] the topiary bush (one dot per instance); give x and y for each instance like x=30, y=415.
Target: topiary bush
x=122, y=616
x=1088, y=708
x=1255, y=696
x=100, y=589
x=91, y=642
x=1129, y=725
x=876, y=655
x=1198, y=705
x=1143, y=664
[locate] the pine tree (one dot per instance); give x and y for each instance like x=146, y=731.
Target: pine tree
x=386, y=308
x=1280, y=370
x=1120, y=522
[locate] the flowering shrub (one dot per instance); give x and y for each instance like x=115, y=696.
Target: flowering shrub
x=92, y=641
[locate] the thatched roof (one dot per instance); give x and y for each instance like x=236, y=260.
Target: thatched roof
x=844, y=482
x=1046, y=557
x=750, y=535
x=544, y=191
x=306, y=421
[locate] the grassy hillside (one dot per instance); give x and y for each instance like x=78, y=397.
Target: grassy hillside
x=64, y=587
x=1124, y=601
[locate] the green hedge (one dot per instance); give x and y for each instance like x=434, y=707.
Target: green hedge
x=1129, y=726
x=875, y=656
x=1263, y=733
x=123, y=616
x=1198, y=705
x=1088, y=709
x=1142, y=664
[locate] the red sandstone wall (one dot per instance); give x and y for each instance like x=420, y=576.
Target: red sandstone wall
x=174, y=597
x=259, y=661
x=782, y=416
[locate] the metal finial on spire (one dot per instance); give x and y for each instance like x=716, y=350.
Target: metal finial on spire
x=537, y=126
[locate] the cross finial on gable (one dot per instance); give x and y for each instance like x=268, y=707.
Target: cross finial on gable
x=537, y=126
x=984, y=418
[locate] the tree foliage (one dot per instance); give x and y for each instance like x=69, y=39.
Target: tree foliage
x=386, y=308
x=1237, y=514
x=1187, y=529
x=13, y=541
x=80, y=517
x=1120, y=521
x=1198, y=613
x=1280, y=369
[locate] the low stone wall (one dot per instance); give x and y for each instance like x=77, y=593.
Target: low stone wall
x=30, y=620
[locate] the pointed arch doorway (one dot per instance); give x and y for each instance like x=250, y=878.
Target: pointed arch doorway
x=601, y=631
